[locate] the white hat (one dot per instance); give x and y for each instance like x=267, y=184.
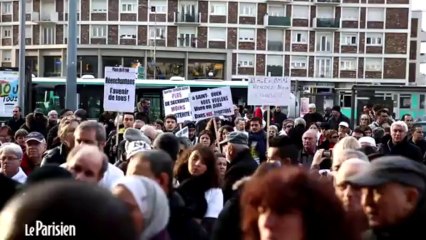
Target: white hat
x=312, y=105
x=133, y=148
x=367, y=141
x=344, y=124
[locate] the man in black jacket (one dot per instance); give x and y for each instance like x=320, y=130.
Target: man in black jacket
x=399, y=145
x=241, y=163
x=16, y=121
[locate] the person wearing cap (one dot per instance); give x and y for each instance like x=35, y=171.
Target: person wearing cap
x=131, y=149
x=35, y=149
x=36, y=122
x=336, y=118
x=241, y=163
x=17, y=120
x=399, y=144
x=393, y=198
x=312, y=116
x=344, y=130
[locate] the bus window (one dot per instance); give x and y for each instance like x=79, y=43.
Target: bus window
x=405, y=101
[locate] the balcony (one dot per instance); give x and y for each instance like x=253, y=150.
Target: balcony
x=51, y=17
x=328, y=2
x=327, y=23
x=277, y=22
x=279, y=1
x=187, y=18
x=275, y=46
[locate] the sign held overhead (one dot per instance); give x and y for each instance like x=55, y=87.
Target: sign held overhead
x=176, y=102
x=269, y=91
x=119, y=89
x=212, y=103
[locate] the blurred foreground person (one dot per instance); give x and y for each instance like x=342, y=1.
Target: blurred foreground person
x=311, y=210
x=69, y=204
x=148, y=204
x=393, y=198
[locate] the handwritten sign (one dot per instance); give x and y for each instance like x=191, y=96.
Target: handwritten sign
x=176, y=102
x=269, y=91
x=212, y=103
x=9, y=82
x=119, y=89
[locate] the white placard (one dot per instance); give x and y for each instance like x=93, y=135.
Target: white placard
x=119, y=89
x=212, y=103
x=184, y=132
x=269, y=91
x=176, y=102
x=9, y=82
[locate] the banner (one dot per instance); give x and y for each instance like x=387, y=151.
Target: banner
x=212, y=103
x=120, y=89
x=9, y=82
x=176, y=102
x=269, y=91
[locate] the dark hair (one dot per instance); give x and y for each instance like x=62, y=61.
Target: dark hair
x=207, y=157
x=256, y=119
x=405, y=115
x=19, y=108
x=359, y=130
x=61, y=202
x=171, y=116
x=210, y=134
x=63, y=111
x=169, y=143
x=159, y=121
x=286, y=148
x=366, y=128
x=8, y=129
x=322, y=212
x=129, y=113
x=48, y=173
x=379, y=112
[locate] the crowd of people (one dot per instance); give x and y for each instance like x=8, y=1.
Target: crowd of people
x=128, y=177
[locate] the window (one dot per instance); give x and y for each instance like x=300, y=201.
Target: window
x=325, y=12
x=6, y=7
x=66, y=33
x=127, y=32
x=217, y=34
x=276, y=10
x=349, y=39
x=129, y=6
x=28, y=6
x=299, y=62
x=405, y=101
x=300, y=37
x=324, y=42
x=246, y=35
x=218, y=8
x=48, y=35
x=158, y=6
x=248, y=9
x=275, y=60
x=7, y=32
x=66, y=6
x=99, y=6
x=323, y=67
x=28, y=31
x=374, y=39
x=158, y=33
x=375, y=14
x=301, y=12
x=275, y=40
x=373, y=64
x=350, y=14
x=245, y=60
x=348, y=64
x=98, y=31
x=7, y=55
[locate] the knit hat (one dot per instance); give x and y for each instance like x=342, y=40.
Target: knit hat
x=135, y=147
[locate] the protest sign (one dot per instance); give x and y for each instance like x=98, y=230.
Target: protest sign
x=9, y=81
x=176, y=102
x=119, y=89
x=211, y=103
x=269, y=91
x=184, y=132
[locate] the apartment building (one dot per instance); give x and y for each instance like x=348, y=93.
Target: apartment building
x=418, y=36
x=316, y=42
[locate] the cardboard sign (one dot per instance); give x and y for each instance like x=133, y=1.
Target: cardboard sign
x=176, y=102
x=9, y=82
x=269, y=91
x=212, y=103
x=184, y=132
x=119, y=89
